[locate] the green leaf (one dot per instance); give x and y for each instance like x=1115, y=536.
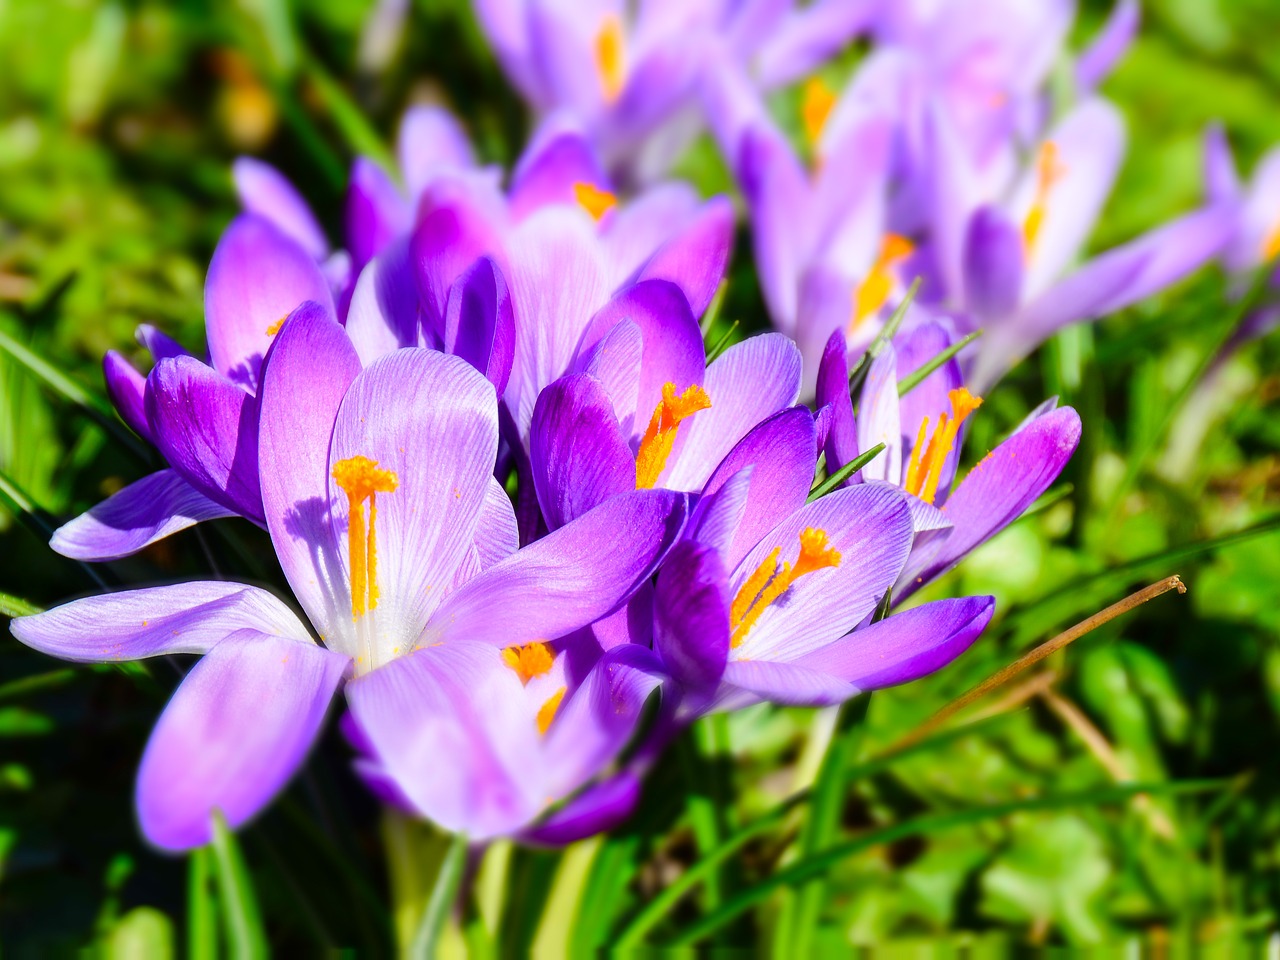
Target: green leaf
x=202, y=907
x=436, y=913
x=723, y=343
x=844, y=473
x=912, y=380
x=11, y=606
x=241, y=918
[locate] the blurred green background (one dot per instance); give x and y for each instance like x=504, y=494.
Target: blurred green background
x=118, y=122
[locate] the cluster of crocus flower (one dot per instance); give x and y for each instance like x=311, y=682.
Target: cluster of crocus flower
x=370, y=408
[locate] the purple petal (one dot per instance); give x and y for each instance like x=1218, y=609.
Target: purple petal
x=931, y=397
x=615, y=361
x=257, y=277
x=496, y=535
x=597, y=809
x=1001, y=486
x=430, y=140
x=207, y=428
x=550, y=169
x=148, y=510
x=905, y=646
x=236, y=730
x=718, y=515
x=126, y=389
x=432, y=420
x=672, y=348
x=810, y=36
x=479, y=323
x=691, y=618
x=841, y=444
x=993, y=259
x=266, y=192
x=383, y=314
x=305, y=376
x=155, y=621
x=782, y=452
x=1222, y=183
x=777, y=192
x=634, y=230
x=1097, y=60
x=881, y=419
x=870, y=526
x=376, y=212
x=748, y=383
x=787, y=683
x=158, y=344
x=579, y=456
x=569, y=578
x=457, y=704
x=696, y=258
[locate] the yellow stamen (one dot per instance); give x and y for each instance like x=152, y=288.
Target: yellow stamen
x=660, y=437
x=360, y=479
x=547, y=712
x=531, y=660
x=275, y=327
x=1049, y=170
x=611, y=65
x=595, y=201
x=768, y=582
x=1271, y=245
x=870, y=295
x=925, y=469
x=816, y=104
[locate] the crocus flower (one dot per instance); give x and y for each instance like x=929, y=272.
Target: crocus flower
x=631, y=76
x=203, y=418
x=923, y=434
x=400, y=547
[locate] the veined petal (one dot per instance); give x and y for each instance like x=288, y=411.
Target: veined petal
x=238, y=727
x=147, y=510
x=305, y=376
x=615, y=361
x=578, y=454
x=207, y=428
x=718, y=516
x=788, y=683
x=881, y=419
x=691, y=618
x=496, y=534
x=265, y=191
x=431, y=420
x=566, y=580
x=126, y=389
x=841, y=444
x=870, y=526
x=154, y=621
x=905, y=646
x=257, y=277
x=479, y=322
x=383, y=315
x=748, y=383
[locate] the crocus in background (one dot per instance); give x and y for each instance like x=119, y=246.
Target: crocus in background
x=923, y=432
x=630, y=73
x=400, y=547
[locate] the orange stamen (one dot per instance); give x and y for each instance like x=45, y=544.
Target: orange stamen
x=769, y=582
x=360, y=479
x=816, y=104
x=1271, y=245
x=547, y=712
x=660, y=437
x=1049, y=170
x=611, y=65
x=275, y=327
x=924, y=471
x=870, y=295
x=595, y=201
x=531, y=660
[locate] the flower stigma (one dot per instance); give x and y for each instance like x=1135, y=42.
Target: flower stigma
x=529, y=661
x=769, y=581
x=870, y=295
x=361, y=480
x=547, y=712
x=660, y=436
x=592, y=199
x=816, y=104
x=1049, y=170
x=611, y=64
x=925, y=467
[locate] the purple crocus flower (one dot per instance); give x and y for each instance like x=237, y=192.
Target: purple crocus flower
x=631, y=75
x=400, y=547
x=923, y=434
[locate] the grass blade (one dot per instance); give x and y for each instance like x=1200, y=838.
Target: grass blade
x=11, y=606
x=241, y=917
x=912, y=380
x=844, y=473
x=436, y=912
x=202, y=907
x=887, y=333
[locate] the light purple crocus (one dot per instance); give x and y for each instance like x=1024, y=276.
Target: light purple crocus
x=923, y=436
x=400, y=547
x=630, y=75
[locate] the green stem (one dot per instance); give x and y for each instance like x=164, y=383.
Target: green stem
x=436, y=912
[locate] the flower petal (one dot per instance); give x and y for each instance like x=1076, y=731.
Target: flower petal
x=257, y=277
x=496, y=534
x=305, y=376
x=147, y=510
x=126, y=389
x=695, y=259
x=155, y=621
x=430, y=141
x=236, y=730
x=1097, y=60
x=566, y=580
x=841, y=445
x=376, y=212
x=691, y=618
x=881, y=419
x=479, y=322
x=993, y=265
x=207, y=428
x=266, y=192
x=787, y=683
x=557, y=159
x=383, y=314
x=597, y=809
x=578, y=454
